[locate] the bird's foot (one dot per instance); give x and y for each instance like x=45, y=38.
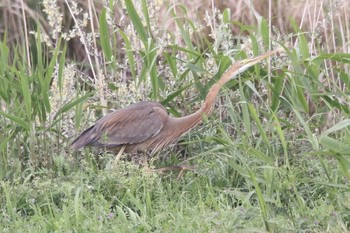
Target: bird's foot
x=148, y=168
x=181, y=168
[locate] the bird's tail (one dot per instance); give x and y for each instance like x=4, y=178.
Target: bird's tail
x=86, y=138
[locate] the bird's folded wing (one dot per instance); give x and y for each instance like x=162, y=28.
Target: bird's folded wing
x=131, y=125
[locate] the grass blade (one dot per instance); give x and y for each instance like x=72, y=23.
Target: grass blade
x=255, y=117
x=136, y=21
x=17, y=120
x=129, y=53
x=104, y=35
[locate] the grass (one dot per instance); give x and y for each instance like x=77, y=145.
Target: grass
x=273, y=157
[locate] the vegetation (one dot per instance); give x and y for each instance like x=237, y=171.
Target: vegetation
x=274, y=157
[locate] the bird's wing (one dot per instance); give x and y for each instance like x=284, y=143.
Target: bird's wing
x=130, y=125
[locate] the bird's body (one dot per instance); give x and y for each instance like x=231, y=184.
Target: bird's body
x=139, y=127
x=146, y=126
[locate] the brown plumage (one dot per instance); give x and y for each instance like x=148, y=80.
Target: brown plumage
x=147, y=126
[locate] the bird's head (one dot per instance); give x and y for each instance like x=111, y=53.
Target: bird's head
x=241, y=66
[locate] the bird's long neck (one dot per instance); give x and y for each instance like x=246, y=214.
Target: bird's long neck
x=186, y=123
x=208, y=104
x=193, y=119
x=209, y=101
x=196, y=117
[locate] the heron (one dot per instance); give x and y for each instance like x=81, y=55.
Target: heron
x=146, y=126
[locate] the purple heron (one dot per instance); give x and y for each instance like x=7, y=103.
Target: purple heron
x=146, y=126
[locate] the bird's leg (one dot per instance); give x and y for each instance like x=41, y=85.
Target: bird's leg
x=181, y=168
x=144, y=161
x=120, y=153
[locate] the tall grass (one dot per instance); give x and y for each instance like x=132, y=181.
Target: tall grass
x=272, y=157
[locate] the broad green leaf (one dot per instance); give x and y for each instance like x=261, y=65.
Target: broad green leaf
x=340, y=57
x=303, y=43
x=276, y=90
x=171, y=61
x=146, y=15
x=280, y=133
x=309, y=133
x=264, y=30
x=174, y=94
x=335, y=145
x=129, y=53
x=255, y=116
x=245, y=112
x=344, y=165
x=337, y=127
x=17, y=120
x=136, y=21
x=226, y=16
x=261, y=200
x=104, y=35
x=61, y=66
x=26, y=92
x=72, y=103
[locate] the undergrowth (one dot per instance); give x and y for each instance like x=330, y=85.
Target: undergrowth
x=274, y=155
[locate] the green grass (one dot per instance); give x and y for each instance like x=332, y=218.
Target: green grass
x=273, y=157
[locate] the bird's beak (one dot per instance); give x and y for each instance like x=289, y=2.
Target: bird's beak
x=247, y=63
x=241, y=66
